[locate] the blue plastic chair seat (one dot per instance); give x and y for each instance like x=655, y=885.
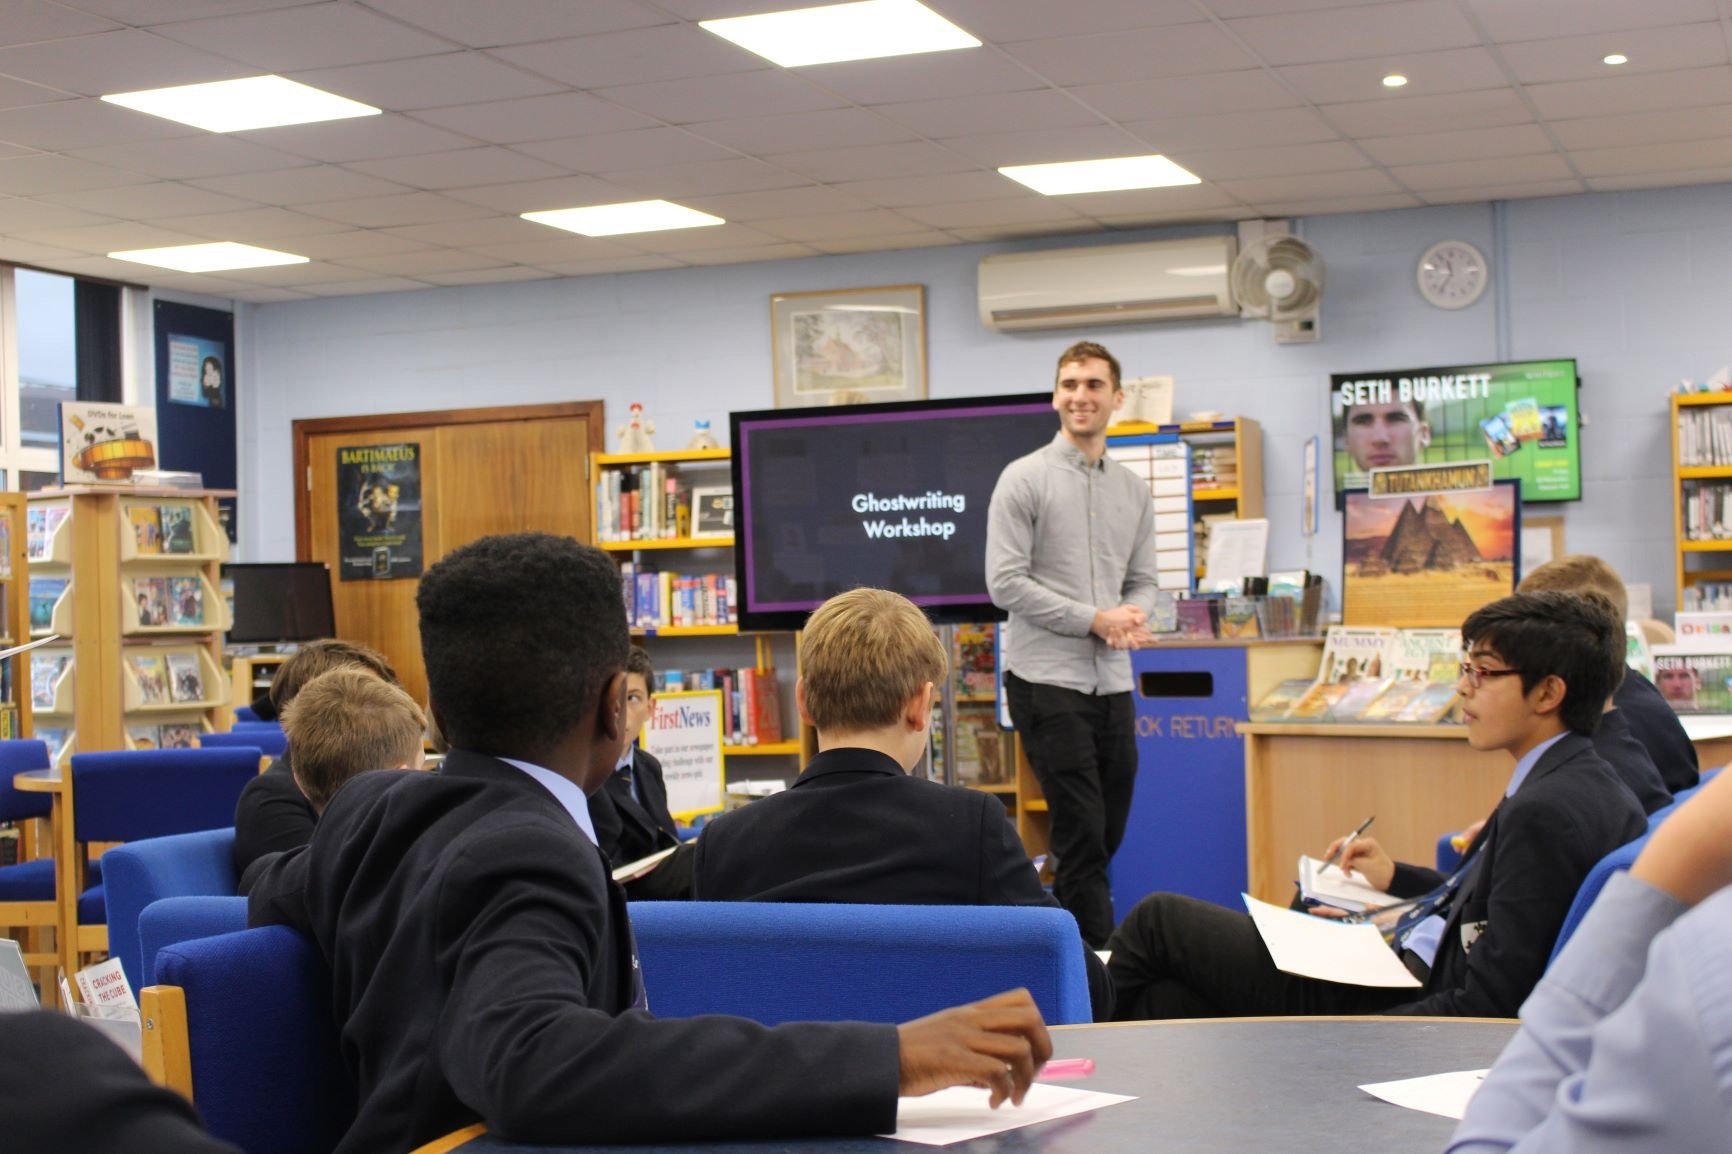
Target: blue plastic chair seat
x=33, y=881
x=93, y=906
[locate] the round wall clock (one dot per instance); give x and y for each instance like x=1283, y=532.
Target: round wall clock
x=1452, y=274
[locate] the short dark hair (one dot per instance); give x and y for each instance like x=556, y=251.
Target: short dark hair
x=1086, y=350
x=322, y=656
x=1576, y=637
x=520, y=633
x=638, y=662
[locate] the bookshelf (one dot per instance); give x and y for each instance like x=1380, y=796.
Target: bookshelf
x=676, y=573
x=1226, y=469
x=128, y=578
x=15, y=682
x=1701, y=488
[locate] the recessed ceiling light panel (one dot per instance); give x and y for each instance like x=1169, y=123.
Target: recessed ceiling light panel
x=860, y=31
x=619, y=219
x=1616, y=58
x=237, y=105
x=216, y=257
x=1113, y=175
x=1395, y=80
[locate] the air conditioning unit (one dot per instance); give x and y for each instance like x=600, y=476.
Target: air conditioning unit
x=1108, y=285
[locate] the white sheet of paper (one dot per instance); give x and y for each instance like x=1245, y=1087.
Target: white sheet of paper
x=1445, y=1094
x=1238, y=549
x=17, y=991
x=961, y=1112
x=1313, y=947
x=643, y=865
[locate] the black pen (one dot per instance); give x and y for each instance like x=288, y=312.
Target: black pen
x=1345, y=842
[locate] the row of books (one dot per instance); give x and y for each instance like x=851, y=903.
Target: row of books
x=1373, y=673
x=1707, y=597
x=981, y=758
x=167, y=601
x=163, y=736
x=751, y=702
x=1704, y=437
x=974, y=663
x=155, y=529
x=167, y=677
x=642, y=502
x=1281, y=605
x=1706, y=509
x=656, y=599
x=1214, y=467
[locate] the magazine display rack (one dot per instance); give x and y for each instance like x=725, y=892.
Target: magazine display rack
x=15, y=711
x=140, y=569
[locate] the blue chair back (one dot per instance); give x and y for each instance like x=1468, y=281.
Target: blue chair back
x=139, y=872
x=270, y=742
x=266, y=1071
x=16, y=756
x=788, y=962
x=170, y=921
x=245, y=713
x=135, y=794
x=242, y=724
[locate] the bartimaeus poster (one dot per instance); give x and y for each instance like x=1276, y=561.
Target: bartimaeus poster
x=379, y=511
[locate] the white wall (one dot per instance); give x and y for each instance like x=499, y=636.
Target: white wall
x=1632, y=284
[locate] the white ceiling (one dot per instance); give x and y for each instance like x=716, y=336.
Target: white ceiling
x=496, y=107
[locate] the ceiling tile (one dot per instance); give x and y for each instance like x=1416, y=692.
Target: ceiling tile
x=778, y=203
x=101, y=266
x=299, y=185
x=1445, y=113
x=1424, y=178
x=1660, y=179
x=145, y=12
x=1138, y=54
x=675, y=241
x=25, y=215
x=103, y=238
x=28, y=175
x=1468, y=144
x=1473, y=194
x=750, y=255
x=623, y=264
x=535, y=195
x=1506, y=20
x=363, y=138
x=187, y=157
x=557, y=246
x=1612, y=95
x=535, y=118
x=942, y=188
x=668, y=52
x=984, y=213
x=29, y=252
x=315, y=36
x=385, y=284
x=1006, y=20
x=997, y=232
x=873, y=222
x=253, y=225
x=149, y=201
x=69, y=124
x=1428, y=73
x=1230, y=9
x=1052, y=144
x=1641, y=158
x=123, y=61
x=1151, y=201
x=698, y=99
x=452, y=78
x=468, y=233
x=675, y=181
x=345, y=245
x=1276, y=126
x=268, y=296
x=1273, y=160
x=930, y=238
x=1649, y=50
x=1317, y=186
x=928, y=76
x=7, y=150
x=299, y=275
x=23, y=94
x=613, y=151
x=518, y=21
x=1331, y=206
x=1645, y=128
x=500, y=275
x=465, y=168
x=965, y=115
x=1223, y=92
x=30, y=21
x=407, y=208
x=417, y=263
x=1346, y=33
x=803, y=131
x=832, y=165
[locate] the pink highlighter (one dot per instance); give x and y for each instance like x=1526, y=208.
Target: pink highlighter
x=1067, y=1069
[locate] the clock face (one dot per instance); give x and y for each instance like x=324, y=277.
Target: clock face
x=1452, y=274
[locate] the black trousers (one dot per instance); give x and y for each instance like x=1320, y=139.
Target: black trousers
x=1179, y=957
x=1083, y=748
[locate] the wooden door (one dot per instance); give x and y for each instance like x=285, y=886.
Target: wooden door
x=483, y=471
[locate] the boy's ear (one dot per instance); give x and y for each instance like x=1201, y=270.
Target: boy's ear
x=610, y=709
x=917, y=714
x=1548, y=696
x=800, y=701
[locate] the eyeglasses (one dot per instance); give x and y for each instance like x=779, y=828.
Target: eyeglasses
x=1475, y=674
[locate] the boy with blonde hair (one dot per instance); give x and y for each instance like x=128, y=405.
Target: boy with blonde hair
x=855, y=827
x=345, y=722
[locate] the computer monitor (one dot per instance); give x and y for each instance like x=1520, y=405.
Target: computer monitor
x=280, y=601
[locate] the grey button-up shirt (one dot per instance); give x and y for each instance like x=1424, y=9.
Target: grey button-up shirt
x=1064, y=539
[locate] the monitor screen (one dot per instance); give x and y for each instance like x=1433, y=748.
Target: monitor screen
x=888, y=495
x=287, y=601
x=1520, y=416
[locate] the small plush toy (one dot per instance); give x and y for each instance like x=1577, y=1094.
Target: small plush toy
x=634, y=435
x=701, y=438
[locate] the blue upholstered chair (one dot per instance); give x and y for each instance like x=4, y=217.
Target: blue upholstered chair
x=138, y=873
x=27, y=889
x=786, y=962
x=245, y=713
x=171, y=921
x=250, y=1013
x=270, y=742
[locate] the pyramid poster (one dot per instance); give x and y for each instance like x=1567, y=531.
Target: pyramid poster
x=1428, y=560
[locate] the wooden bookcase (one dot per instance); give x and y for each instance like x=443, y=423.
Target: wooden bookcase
x=683, y=646
x=1685, y=480
x=250, y=675
x=15, y=615
x=1234, y=486
x=109, y=619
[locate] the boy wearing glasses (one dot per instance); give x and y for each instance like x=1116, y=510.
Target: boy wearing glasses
x=1538, y=671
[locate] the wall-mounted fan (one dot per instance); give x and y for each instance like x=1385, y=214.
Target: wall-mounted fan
x=1280, y=277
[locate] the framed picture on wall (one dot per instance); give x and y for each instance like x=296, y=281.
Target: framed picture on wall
x=849, y=346
x=713, y=511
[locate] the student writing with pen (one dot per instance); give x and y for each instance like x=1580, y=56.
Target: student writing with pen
x=1538, y=670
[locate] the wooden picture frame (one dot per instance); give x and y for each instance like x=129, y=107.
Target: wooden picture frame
x=849, y=346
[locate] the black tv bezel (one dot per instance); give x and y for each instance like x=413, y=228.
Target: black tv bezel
x=777, y=620
x=229, y=566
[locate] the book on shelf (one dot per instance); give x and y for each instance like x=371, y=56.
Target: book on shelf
x=644, y=502
x=151, y=669
x=5, y=547
x=144, y=736
x=46, y=670
x=163, y=736
x=177, y=532
x=186, y=600
x=1239, y=617
x=975, y=663
x=1275, y=704
x=1196, y=616
x=45, y=592
x=58, y=739
x=1318, y=701
x=1435, y=703
x=1392, y=702
x=751, y=703
x=146, y=528
x=186, y=680
x=1373, y=674
x=151, y=596
x=1358, y=696
x=40, y=522
x=1693, y=681
x=657, y=599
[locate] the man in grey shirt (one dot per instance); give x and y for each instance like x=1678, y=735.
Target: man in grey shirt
x=1070, y=555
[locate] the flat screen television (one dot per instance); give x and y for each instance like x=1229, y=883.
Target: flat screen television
x=280, y=601
x=891, y=495
x=1521, y=416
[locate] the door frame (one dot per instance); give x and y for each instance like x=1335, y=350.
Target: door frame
x=305, y=430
